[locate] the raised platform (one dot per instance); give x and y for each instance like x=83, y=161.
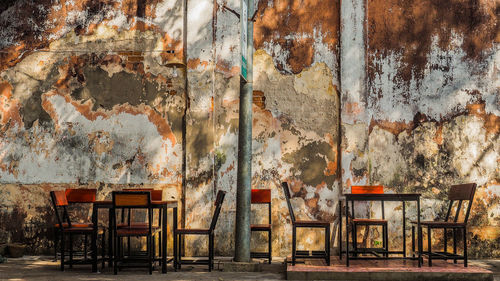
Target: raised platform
x=385, y=270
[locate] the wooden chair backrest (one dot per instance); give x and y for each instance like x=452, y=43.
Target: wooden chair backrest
x=131, y=199
x=81, y=195
x=367, y=189
x=156, y=194
x=288, y=203
x=460, y=193
x=262, y=196
x=218, y=205
x=59, y=198
x=60, y=203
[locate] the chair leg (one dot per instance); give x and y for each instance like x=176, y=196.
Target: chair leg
x=270, y=246
x=110, y=247
x=70, y=251
x=85, y=241
x=445, y=240
x=429, y=245
x=56, y=239
x=62, y=250
x=327, y=244
x=413, y=240
x=210, y=251
x=465, y=247
x=179, y=257
x=128, y=246
x=386, y=241
x=355, y=239
x=150, y=254
x=115, y=255
x=103, y=248
x=454, y=244
x=294, y=243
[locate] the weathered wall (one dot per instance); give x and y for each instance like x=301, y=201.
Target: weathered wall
x=111, y=94
x=87, y=99
x=94, y=94
x=428, y=114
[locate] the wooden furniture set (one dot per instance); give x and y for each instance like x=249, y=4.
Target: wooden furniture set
x=123, y=225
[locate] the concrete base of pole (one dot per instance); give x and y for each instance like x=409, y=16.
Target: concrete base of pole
x=234, y=266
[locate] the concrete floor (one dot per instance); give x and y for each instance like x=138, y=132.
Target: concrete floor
x=43, y=268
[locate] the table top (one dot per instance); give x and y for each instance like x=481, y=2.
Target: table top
x=109, y=203
x=383, y=197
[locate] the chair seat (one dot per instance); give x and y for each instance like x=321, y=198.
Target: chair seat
x=312, y=223
x=370, y=221
x=258, y=227
x=192, y=231
x=132, y=231
x=440, y=223
x=75, y=225
x=78, y=229
x=135, y=225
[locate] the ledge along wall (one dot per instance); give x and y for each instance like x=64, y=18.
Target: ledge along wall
x=114, y=94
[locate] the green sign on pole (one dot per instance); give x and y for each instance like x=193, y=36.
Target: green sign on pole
x=243, y=35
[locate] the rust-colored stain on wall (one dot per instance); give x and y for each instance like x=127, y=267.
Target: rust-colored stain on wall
x=409, y=27
x=295, y=26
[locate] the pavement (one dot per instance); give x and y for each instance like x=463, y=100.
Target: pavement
x=44, y=268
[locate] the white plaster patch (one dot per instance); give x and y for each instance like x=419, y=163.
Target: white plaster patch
x=446, y=87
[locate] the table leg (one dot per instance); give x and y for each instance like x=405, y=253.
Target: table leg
x=404, y=230
x=175, y=236
x=340, y=229
x=347, y=232
x=164, y=241
x=110, y=238
x=419, y=234
x=94, y=238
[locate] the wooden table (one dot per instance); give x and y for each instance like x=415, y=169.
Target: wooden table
x=403, y=197
x=108, y=204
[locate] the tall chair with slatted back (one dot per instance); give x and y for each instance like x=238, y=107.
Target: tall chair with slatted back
x=367, y=222
x=201, y=231
x=461, y=193
x=65, y=228
x=306, y=224
x=79, y=196
x=156, y=195
x=262, y=197
x=132, y=200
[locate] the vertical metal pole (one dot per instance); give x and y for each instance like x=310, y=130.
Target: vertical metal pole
x=244, y=180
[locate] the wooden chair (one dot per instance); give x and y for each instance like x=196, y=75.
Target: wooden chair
x=66, y=228
x=460, y=193
x=75, y=196
x=200, y=231
x=306, y=224
x=262, y=196
x=156, y=195
x=367, y=222
x=132, y=200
